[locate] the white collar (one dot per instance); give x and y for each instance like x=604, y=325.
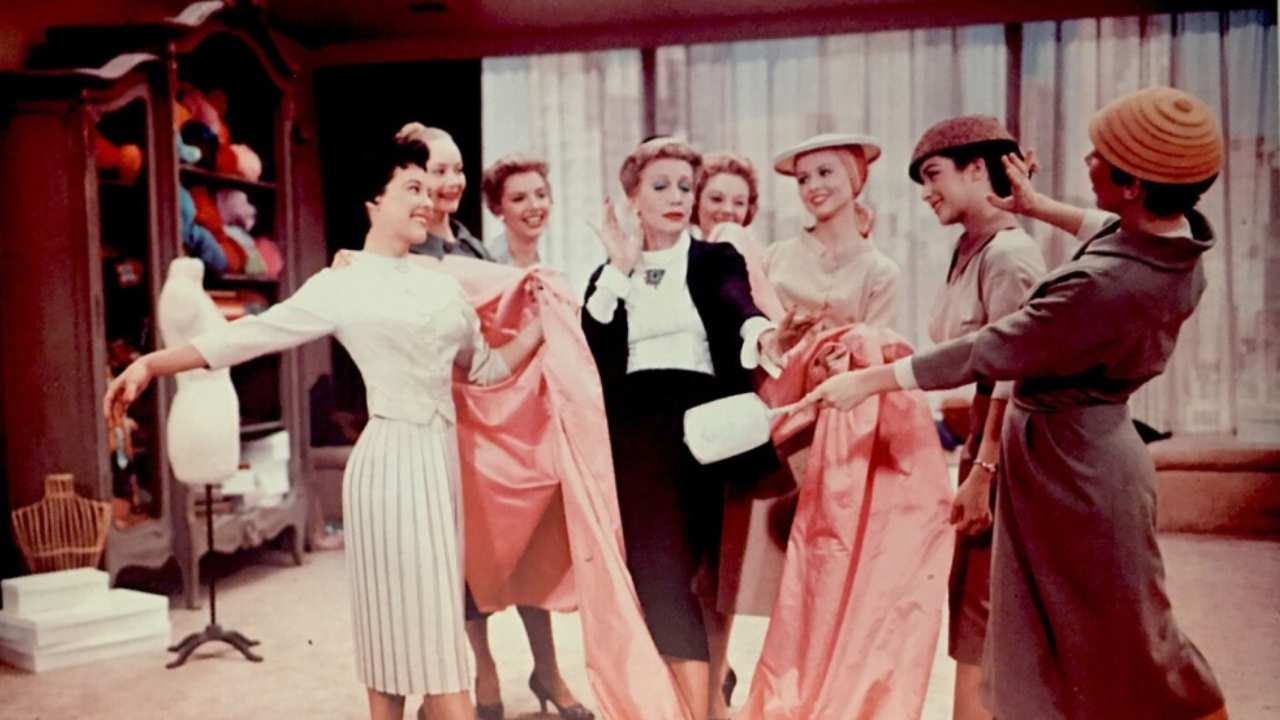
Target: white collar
x=666, y=256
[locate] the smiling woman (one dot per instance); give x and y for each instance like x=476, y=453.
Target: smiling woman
x=832, y=272
x=517, y=191
x=401, y=491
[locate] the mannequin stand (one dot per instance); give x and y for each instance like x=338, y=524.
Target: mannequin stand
x=213, y=631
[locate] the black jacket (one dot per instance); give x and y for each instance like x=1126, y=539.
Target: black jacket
x=721, y=293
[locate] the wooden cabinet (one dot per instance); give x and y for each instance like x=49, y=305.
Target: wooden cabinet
x=74, y=232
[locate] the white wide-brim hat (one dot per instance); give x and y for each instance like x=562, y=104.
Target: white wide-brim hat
x=785, y=162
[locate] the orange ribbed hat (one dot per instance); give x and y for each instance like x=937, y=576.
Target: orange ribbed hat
x=1159, y=134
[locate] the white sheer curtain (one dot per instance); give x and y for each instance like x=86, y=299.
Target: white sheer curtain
x=583, y=113
x=757, y=98
x=1224, y=373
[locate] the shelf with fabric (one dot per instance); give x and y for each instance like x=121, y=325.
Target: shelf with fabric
x=220, y=114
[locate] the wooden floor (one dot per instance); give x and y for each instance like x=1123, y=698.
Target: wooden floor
x=1226, y=593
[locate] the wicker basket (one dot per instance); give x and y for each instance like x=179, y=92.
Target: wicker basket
x=62, y=530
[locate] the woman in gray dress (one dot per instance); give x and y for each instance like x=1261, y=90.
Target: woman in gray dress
x=1080, y=625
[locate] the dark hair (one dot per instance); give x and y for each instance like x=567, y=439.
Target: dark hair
x=381, y=160
x=1165, y=199
x=991, y=153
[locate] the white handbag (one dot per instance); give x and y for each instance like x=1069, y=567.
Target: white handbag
x=730, y=426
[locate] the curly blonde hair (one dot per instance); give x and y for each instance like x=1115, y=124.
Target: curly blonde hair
x=727, y=163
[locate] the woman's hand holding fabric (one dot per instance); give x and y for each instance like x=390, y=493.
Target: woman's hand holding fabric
x=124, y=389
x=847, y=390
x=793, y=328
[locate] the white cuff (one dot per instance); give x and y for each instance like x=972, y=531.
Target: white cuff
x=611, y=287
x=904, y=374
x=751, y=356
x=1003, y=390
x=614, y=281
x=1094, y=221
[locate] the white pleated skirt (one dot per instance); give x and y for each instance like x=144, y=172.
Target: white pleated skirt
x=402, y=506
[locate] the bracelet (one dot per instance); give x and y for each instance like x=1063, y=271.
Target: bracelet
x=989, y=467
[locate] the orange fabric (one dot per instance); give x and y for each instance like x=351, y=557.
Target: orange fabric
x=856, y=622
x=540, y=504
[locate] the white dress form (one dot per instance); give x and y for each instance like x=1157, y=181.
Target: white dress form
x=204, y=422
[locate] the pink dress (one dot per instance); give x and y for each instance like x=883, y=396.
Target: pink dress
x=856, y=620
x=542, y=522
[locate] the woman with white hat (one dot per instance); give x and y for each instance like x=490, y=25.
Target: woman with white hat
x=1080, y=623
x=832, y=272
x=959, y=163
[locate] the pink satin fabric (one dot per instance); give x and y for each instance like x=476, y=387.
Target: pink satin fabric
x=539, y=500
x=855, y=626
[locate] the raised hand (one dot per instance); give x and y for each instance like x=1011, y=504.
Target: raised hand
x=1024, y=199
x=623, y=250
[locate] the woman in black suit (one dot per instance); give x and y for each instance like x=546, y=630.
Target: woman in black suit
x=671, y=324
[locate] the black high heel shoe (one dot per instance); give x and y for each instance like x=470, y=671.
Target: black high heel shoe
x=576, y=711
x=730, y=682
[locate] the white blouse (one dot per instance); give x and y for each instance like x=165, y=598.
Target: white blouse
x=664, y=329
x=405, y=325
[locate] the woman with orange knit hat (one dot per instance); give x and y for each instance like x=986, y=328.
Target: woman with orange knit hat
x=1080, y=624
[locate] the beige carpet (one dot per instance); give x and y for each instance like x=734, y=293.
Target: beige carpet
x=1226, y=593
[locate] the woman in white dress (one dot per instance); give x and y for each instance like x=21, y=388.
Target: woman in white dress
x=406, y=326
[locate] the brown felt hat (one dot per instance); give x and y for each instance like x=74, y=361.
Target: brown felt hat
x=959, y=132
x=1161, y=135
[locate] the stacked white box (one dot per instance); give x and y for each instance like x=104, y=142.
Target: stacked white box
x=59, y=619
x=47, y=592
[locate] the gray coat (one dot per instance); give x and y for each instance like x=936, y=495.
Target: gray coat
x=1080, y=623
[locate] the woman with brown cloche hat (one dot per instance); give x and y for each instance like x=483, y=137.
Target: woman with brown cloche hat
x=994, y=265
x=1080, y=623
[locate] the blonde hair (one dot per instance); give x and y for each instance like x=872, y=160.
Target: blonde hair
x=422, y=133
x=723, y=163
x=655, y=149
x=494, y=180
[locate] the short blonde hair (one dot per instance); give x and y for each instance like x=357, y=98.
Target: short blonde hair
x=655, y=149
x=493, y=182
x=723, y=163
x=422, y=133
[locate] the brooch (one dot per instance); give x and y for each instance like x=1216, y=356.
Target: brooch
x=653, y=276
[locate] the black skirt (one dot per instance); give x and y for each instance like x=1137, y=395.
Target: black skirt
x=671, y=506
